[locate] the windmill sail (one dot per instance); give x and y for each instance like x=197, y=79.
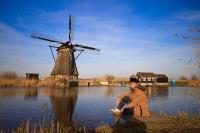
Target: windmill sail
x=45, y=38
x=65, y=65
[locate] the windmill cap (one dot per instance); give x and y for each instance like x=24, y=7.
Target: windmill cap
x=134, y=79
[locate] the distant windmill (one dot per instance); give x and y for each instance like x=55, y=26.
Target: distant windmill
x=65, y=65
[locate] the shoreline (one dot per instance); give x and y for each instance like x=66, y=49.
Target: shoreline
x=23, y=82
x=180, y=122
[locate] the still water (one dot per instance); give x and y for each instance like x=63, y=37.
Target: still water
x=88, y=106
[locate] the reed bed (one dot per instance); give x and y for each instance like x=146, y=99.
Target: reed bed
x=194, y=83
x=22, y=82
x=51, y=127
x=179, y=123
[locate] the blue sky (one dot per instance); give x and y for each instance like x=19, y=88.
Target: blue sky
x=132, y=35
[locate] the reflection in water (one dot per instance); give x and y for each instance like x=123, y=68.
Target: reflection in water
x=157, y=91
x=86, y=106
x=63, y=103
x=110, y=91
x=30, y=93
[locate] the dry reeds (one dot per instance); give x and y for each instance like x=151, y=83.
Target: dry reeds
x=22, y=82
x=194, y=83
x=40, y=127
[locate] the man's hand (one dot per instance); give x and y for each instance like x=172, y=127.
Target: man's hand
x=123, y=108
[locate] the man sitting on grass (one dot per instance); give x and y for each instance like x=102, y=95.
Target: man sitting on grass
x=134, y=102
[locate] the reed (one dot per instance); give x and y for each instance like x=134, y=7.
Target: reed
x=194, y=83
x=41, y=127
x=22, y=82
x=179, y=123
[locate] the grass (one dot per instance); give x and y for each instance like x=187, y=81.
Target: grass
x=184, y=123
x=22, y=82
x=182, y=83
x=178, y=123
x=29, y=127
x=193, y=83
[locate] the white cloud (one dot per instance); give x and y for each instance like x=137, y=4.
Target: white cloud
x=190, y=15
x=21, y=54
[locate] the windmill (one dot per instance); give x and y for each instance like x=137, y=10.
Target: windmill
x=65, y=62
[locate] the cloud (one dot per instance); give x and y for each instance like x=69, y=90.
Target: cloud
x=127, y=46
x=189, y=15
x=20, y=53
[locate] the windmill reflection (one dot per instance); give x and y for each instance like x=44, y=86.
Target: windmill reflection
x=63, y=103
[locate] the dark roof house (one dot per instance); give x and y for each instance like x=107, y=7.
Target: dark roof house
x=149, y=78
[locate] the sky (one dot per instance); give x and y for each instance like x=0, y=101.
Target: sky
x=133, y=35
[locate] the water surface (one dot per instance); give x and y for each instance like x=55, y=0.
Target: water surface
x=88, y=106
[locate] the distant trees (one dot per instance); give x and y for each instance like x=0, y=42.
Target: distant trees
x=109, y=78
x=183, y=78
x=8, y=75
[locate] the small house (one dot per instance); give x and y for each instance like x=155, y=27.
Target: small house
x=149, y=78
x=32, y=76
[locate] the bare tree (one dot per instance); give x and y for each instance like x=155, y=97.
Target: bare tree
x=8, y=75
x=194, y=77
x=109, y=78
x=183, y=78
x=193, y=36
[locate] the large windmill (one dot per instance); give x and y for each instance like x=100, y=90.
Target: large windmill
x=65, y=65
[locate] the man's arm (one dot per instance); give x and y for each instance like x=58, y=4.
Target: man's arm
x=118, y=100
x=135, y=101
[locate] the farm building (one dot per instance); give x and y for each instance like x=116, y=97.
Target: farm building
x=149, y=78
x=32, y=76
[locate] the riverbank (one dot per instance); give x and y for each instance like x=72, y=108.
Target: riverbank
x=179, y=123
x=23, y=82
x=192, y=83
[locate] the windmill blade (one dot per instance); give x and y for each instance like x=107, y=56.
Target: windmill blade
x=42, y=37
x=86, y=47
x=70, y=29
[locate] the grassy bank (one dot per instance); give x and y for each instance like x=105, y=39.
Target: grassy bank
x=22, y=82
x=182, y=83
x=193, y=83
x=179, y=123
x=29, y=127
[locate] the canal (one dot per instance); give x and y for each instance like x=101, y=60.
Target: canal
x=86, y=106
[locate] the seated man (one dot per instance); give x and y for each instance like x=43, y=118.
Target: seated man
x=134, y=102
